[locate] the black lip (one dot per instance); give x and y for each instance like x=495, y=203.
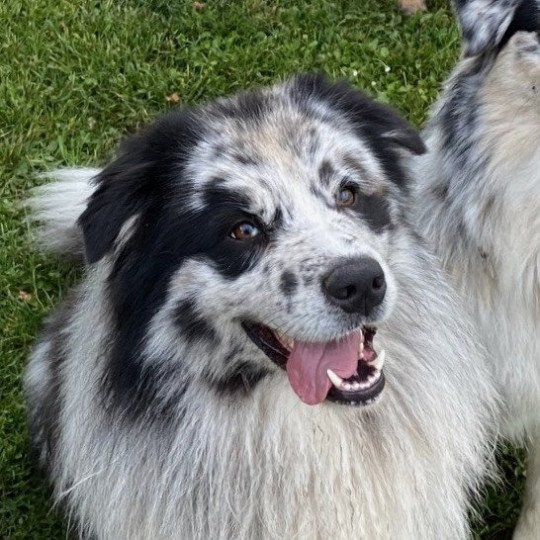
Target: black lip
x=265, y=339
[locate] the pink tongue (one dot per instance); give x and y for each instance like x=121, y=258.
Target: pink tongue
x=308, y=362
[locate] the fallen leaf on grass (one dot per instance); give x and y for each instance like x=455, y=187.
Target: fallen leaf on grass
x=24, y=296
x=173, y=98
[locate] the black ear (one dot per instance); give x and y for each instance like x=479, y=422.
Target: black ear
x=138, y=180
x=109, y=207
x=374, y=121
x=484, y=23
x=397, y=131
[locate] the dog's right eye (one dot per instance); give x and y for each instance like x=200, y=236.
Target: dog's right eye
x=244, y=231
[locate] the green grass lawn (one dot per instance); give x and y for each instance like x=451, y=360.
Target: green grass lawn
x=75, y=76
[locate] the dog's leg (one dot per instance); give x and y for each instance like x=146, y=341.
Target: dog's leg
x=412, y=6
x=528, y=527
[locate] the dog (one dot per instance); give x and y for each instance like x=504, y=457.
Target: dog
x=261, y=346
x=477, y=194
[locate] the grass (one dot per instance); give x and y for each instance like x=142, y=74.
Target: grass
x=75, y=76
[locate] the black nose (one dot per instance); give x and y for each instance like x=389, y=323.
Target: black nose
x=355, y=285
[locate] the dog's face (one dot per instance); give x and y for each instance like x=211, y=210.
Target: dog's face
x=254, y=235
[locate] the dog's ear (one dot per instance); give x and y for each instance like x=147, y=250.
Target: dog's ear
x=380, y=123
x=109, y=207
x=394, y=129
x=484, y=22
x=373, y=121
x=137, y=182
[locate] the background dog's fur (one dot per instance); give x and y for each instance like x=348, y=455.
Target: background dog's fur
x=478, y=202
x=188, y=430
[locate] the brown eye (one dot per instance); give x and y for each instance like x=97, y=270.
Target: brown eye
x=244, y=231
x=346, y=196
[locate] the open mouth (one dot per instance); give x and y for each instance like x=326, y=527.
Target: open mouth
x=346, y=370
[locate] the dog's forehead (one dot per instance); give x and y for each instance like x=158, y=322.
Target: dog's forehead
x=288, y=152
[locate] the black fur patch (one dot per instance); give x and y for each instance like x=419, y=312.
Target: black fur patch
x=313, y=144
x=288, y=283
x=193, y=327
x=149, y=402
x=219, y=149
x=242, y=378
x=440, y=191
x=374, y=210
x=244, y=159
x=326, y=173
x=277, y=220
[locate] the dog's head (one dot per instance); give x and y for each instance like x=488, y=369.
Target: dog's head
x=254, y=235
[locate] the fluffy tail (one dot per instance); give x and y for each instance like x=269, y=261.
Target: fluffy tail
x=54, y=209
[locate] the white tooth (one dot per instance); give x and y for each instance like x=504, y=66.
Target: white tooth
x=335, y=379
x=355, y=385
x=378, y=363
x=370, y=380
x=346, y=386
x=360, y=344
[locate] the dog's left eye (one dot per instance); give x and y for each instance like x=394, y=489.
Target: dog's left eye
x=244, y=231
x=346, y=196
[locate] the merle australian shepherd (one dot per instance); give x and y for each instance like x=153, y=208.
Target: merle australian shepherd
x=261, y=346
x=478, y=198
